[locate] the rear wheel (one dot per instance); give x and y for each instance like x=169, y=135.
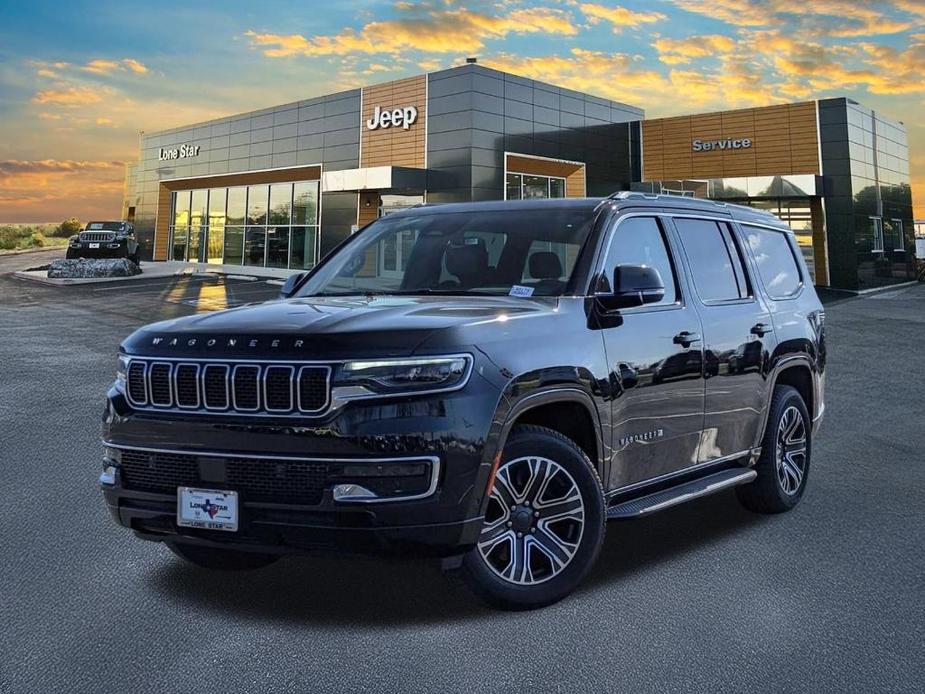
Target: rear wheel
x=783, y=467
x=544, y=525
x=221, y=559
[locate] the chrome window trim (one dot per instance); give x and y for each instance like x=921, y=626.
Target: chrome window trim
x=176, y=386
x=327, y=389
x=234, y=397
x=169, y=366
x=432, y=459
x=263, y=380
x=144, y=379
x=205, y=400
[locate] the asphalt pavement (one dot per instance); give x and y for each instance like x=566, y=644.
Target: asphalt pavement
x=702, y=598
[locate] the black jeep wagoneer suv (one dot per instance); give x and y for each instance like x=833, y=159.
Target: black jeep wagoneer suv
x=486, y=382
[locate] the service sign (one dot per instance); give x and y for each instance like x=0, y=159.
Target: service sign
x=711, y=145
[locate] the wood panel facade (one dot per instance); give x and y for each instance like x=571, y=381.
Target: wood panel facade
x=573, y=172
x=165, y=188
x=783, y=141
x=395, y=145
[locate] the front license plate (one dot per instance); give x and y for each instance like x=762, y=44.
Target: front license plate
x=211, y=509
x=94, y=245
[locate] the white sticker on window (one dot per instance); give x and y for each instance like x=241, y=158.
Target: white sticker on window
x=519, y=290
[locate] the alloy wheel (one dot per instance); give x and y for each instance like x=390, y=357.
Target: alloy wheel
x=791, y=450
x=534, y=522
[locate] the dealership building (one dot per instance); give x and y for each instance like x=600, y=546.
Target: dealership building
x=282, y=186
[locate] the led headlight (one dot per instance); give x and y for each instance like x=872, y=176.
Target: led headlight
x=398, y=376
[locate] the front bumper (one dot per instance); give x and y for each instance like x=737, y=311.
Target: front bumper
x=105, y=250
x=289, y=528
x=440, y=519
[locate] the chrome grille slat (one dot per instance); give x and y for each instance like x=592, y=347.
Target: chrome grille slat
x=214, y=386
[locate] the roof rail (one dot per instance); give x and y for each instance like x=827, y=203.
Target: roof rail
x=702, y=202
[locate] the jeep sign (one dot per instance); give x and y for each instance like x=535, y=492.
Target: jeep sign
x=181, y=152
x=387, y=118
x=701, y=146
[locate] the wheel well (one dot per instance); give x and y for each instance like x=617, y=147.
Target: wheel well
x=800, y=378
x=570, y=419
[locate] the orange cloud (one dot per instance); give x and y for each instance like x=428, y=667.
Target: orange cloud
x=676, y=51
x=445, y=31
x=67, y=96
x=620, y=17
x=102, y=66
x=49, y=189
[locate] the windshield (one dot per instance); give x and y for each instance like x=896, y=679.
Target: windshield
x=104, y=226
x=493, y=252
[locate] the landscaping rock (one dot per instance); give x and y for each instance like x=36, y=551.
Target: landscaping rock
x=83, y=268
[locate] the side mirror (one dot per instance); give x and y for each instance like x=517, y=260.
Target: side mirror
x=635, y=285
x=291, y=284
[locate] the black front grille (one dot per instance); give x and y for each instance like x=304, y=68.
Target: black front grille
x=158, y=472
x=187, y=379
x=255, y=479
x=215, y=386
x=278, y=388
x=159, y=376
x=313, y=388
x=245, y=384
x=251, y=388
x=135, y=378
x=282, y=481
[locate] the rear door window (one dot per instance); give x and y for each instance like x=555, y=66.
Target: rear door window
x=715, y=261
x=776, y=262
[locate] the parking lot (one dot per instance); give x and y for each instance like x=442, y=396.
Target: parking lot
x=705, y=597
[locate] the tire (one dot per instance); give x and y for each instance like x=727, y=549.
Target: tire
x=69, y=254
x=218, y=559
x=134, y=259
x=783, y=467
x=556, y=528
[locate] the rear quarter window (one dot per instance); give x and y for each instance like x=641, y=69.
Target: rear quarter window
x=777, y=265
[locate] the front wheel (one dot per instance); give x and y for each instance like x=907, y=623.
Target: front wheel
x=783, y=467
x=219, y=559
x=544, y=525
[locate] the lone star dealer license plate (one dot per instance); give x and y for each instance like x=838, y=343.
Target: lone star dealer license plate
x=207, y=508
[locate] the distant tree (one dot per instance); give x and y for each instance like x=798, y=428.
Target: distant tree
x=68, y=227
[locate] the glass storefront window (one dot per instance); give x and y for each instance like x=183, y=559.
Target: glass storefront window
x=277, y=246
x=305, y=203
x=198, y=218
x=262, y=225
x=216, y=237
x=181, y=217
x=524, y=187
x=237, y=203
x=535, y=187
x=234, y=245
x=280, y=203
x=302, y=248
x=255, y=245
x=257, y=204
x=514, y=182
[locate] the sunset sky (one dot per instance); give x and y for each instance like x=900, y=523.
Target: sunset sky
x=79, y=80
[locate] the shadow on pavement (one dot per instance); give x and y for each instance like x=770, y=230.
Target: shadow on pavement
x=375, y=592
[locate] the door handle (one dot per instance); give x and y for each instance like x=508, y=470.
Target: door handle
x=686, y=339
x=760, y=329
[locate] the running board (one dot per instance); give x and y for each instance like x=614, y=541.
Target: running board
x=703, y=486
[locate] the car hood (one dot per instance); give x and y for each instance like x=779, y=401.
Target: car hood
x=331, y=327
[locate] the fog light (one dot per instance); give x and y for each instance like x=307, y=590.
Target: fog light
x=108, y=475
x=351, y=492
